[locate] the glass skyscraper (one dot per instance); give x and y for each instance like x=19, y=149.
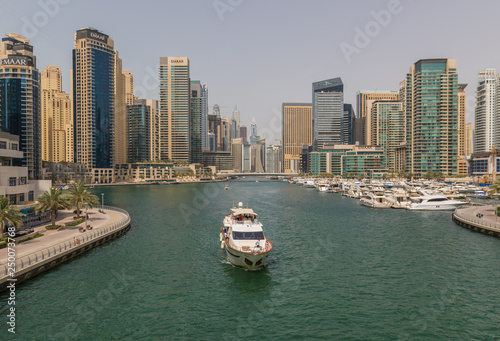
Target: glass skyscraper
x=196, y=125
x=93, y=84
x=328, y=112
x=20, y=100
x=431, y=97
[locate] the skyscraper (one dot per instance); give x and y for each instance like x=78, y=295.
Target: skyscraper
x=196, y=122
x=204, y=115
x=20, y=100
x=461, y=159
x=56, y=118
x=129, y=87
x=273, y=159
x=297, y=131
x=93, y=96
x=243, y=133
x=486, y=113
x=431, y=93
x=254, y=136
x=120, y=113
x=235, y=121
x=143, y=121
x=328, y=111
x=469, y=139
x=175, y=107
x=364, y=102
x=348, y=125
x=388, y=129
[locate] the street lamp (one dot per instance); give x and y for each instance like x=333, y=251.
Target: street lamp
x=102, y=201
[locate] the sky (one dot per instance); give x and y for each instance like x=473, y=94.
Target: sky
x=257, y=54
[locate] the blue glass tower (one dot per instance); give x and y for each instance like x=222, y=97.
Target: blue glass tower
x=20, y=100
x=93, y=98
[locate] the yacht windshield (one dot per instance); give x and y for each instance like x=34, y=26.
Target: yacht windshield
x=248, y=235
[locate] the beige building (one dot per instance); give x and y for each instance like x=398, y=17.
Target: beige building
x=129, y=87
x=365, y=100
x=297, y=131
x=174, y=109
x=56, y=118
x=469, y=139
x=120, y=119
x=461, y=161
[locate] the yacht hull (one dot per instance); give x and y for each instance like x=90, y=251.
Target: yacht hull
x=247, y=260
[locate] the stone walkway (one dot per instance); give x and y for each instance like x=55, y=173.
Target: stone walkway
x=52, y=237
x=487, y=217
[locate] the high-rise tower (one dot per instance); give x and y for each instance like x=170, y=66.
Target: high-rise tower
x=93, y=87
x=328, y=111
x=297, y=132
x=20, y=98
x=431, y=97
x=174, y=109
x=56, y=118
x=486, y=110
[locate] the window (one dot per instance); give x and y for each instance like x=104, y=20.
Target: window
x=12, y=181
x=248, y=235
x=21, y=197
x=12, y=198
x=22, y=181
x=14, y=146
x=3, y=145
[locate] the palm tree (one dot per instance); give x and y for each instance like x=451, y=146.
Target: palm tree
x=10, y=214
x=79, y=196
x=495, y=187
x=52, y=200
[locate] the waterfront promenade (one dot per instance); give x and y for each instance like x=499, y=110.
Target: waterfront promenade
x=478, y=218
x=39, y=254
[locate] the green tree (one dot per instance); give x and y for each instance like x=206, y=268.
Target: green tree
x=10, y=214
x=79, y=196
x=495, y=187
x=52, y=200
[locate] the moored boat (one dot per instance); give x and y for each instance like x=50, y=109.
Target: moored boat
x=243, y=239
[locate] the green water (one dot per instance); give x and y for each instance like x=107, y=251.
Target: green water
x=338, y=271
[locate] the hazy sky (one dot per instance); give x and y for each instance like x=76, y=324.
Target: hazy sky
x=260, y=53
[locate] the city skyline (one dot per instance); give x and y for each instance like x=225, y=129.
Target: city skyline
x=226, y=47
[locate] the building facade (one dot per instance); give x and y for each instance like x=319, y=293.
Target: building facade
x=20, y=100
x=469, y=139
x=328, y=112
x=196, y=124
x=387, y=129
x=273, y=159
x=431, y=97
x=485, y=115
x=56, y=118
x=93, y=97
x=297, y=131
x=364, y=102
x=175, y=107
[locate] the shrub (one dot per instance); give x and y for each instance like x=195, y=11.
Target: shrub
x=76, y=222
x=50, y=227
x=38, y=235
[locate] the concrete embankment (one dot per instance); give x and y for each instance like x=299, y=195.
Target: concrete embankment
x=478, y=218
x=38, y=255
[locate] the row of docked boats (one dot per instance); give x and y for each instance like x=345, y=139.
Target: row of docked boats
x=421, y=195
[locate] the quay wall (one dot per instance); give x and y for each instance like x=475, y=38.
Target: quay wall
x=476, y=224
x=30, y=265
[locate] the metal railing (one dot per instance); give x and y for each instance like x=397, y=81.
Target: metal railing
x=480, y=222
x=67, y=244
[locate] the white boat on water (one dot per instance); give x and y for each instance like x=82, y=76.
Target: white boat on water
x=375, y=201
x=434, y=202
x=243, y=239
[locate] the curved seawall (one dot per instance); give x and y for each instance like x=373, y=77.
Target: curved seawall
x=32, y=264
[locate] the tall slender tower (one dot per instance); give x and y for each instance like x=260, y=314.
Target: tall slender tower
x=485, y=113
x=142, y=130
x=204, y=115
x=432, y=116
x=195, y=120
x=328, y=111
x=57, y=118
x=120, y=116
x=93, y=87
x=174, y=109
x=235, y=121
x=129, y=87
x=20, y=98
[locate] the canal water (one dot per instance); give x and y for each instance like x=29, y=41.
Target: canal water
x=338, y=271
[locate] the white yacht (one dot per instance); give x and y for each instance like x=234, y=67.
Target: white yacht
x=434, y=202
x=243, y=239
x=375, y=201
